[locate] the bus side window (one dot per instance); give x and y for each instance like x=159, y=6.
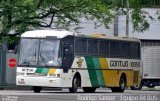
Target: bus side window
x=81, y=46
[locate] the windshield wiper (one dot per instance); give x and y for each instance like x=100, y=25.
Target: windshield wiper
x=26, y=63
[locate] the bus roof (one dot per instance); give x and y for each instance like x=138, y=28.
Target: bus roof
x=108, y=37
x=62, y=34
x=45, y=33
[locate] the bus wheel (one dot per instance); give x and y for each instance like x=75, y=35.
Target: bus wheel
x=89, y=89
x=37, y=89
x=75, y=84
x=138, y=87
x=151, y=86
x=122, y=85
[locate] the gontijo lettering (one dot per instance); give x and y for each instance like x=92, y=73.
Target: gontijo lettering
x=122, y=63
x=118, y=63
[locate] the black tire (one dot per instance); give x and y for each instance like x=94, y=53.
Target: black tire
x=138, y=87
x=122, y=85
x=75, y=85
x=37, y=89
x=151, y=86
x=89, y=89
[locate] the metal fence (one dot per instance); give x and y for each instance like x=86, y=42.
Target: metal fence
x=8, y=63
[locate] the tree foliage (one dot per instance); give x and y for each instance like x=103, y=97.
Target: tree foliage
x=139, y=17
x=17, y=16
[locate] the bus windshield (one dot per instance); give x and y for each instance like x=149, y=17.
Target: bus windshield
x=40, y=52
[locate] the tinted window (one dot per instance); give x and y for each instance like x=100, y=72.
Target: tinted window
x=125, y=50
x=92, y=47
x=115, y=49
x=134, y=50
x=80, y=46
x=104, y=48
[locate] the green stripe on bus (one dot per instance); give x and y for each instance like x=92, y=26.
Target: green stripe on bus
x=91, y=71
x=45, y=71
x=39, y=70
x=99, y=71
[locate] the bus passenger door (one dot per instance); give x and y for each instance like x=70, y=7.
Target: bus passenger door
x=68, y=54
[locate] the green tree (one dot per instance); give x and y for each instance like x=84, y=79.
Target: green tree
x=139, y=17
x=17, y=16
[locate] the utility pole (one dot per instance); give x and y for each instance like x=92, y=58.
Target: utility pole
x=127, y=18
x=116, y=23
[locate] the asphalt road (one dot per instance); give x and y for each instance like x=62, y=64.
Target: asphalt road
x=64, y=95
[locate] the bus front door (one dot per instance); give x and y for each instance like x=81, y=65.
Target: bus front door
x=67, y=57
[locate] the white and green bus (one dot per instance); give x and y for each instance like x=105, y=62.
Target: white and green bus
x=49, y=58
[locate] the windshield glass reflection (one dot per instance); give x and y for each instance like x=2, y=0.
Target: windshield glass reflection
x=49, y=53
x=41, y=52
x=29, y=52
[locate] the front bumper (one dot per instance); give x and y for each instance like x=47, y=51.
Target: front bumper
x=39, y=81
